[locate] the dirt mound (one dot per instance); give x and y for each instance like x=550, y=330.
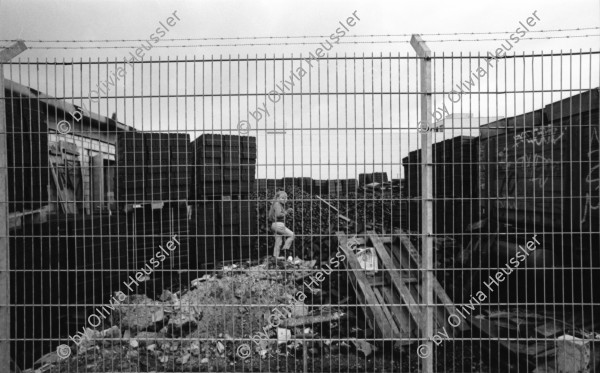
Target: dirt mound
x=235, y=305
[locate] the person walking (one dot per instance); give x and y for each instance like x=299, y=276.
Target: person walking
x=277, y=214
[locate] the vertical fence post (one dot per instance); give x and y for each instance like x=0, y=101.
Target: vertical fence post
x=426, y=194
x=5, y=55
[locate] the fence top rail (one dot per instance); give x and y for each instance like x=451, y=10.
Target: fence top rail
x=203, y=59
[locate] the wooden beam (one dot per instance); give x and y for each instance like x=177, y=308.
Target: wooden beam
x=384, y=239
x=387, y=313
x=365, y=295
x=5, y=360
x=400, y=315
x=438, y=290
x=333, y=208
x=413, y=307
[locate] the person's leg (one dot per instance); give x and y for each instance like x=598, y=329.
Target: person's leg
x=278, y=240
x=290, y=238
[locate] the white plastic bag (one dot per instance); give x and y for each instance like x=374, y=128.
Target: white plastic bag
x=368, y=259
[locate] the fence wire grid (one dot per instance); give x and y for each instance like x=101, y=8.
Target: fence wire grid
x=266, y=214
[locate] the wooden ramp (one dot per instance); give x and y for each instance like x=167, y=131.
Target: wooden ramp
x=391, y=298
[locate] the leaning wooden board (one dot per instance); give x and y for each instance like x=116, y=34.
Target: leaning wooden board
x=392, y=298
x=365, y=293
x=438, y=291
x=381, y=302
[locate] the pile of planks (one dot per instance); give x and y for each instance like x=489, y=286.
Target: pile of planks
x=223, y=165
x=393, y=298
x=152, y=167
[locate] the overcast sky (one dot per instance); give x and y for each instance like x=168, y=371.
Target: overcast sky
x=83, y=19
x=66, y=20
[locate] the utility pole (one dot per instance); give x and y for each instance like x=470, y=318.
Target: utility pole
x=5, y=360
x=427, y=196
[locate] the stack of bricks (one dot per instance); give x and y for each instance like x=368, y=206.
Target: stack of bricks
x=348, y=186
x=152, y=167
x=168, y=158
x=130, y=171
x=238, y=227
x=152, y=225
x=224, y=165
x=223, y=176
x=374, y=177
x=304, y=183
x=320, y=187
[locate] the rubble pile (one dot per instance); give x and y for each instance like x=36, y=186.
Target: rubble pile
x=203, y=326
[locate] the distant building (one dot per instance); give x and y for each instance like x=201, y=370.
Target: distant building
x=47, y=168
x=464, y=124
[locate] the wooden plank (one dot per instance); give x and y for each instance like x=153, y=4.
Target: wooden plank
x=386, y=312
x=381, y=280
x=333, y=208
x=397, y=281
x=400, y=314
x=410, y=249
x=394, y=254
x=384, y=239
x=364, y=292
x=438, y=290
x=378, y=280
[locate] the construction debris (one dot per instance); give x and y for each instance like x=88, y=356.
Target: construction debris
x=311, y=320
x=181, y=328
x=540, y=342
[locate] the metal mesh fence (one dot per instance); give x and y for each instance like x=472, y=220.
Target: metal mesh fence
x=158, y=239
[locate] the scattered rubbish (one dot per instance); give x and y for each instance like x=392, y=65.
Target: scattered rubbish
x=283, y=335
x=547, y=353
x=195, y=348
x=183, y=359
x=49, y=358
x=158, y=316
x=197, y=281
x=364, y=347
x=309, y=320
x=230, y=268
x=299, y=310
x=165, y=296
x=367, y=259
x=149, y=338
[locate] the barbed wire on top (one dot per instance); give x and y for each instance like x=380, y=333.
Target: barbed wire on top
x=297, y=37
x=310, y=43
